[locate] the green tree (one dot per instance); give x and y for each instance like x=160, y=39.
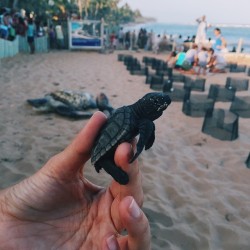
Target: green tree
x=91, y=9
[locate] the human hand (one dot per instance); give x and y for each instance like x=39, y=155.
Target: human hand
x=57, y=208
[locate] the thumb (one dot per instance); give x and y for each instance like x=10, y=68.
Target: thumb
x=71, y=160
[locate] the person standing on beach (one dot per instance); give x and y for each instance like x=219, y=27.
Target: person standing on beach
x=156, y=42
x=59, y=36
x=31, y=35
x=220, y=43
x=52, y=37
x=201, y=34
x=121, y=38
x=178, y=44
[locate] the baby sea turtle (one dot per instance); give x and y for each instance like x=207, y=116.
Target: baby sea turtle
x=123, y=125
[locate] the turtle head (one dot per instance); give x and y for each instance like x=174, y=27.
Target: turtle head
x=152, y=105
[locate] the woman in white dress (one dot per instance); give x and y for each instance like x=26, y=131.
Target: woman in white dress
x=201, y=31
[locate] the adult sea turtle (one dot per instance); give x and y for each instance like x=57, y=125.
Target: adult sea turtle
x=69, y=103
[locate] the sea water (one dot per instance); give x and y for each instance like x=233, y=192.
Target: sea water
x=232, y=33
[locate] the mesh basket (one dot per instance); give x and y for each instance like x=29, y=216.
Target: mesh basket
x=143, y=71
x=235, y=68
x=221, y=124
x=195, y=84
x=248, y=72
x=178, y=77
x=156, y=82
x=176, y=91
x=148, y=60
x=196, y=105
x=241, y=106
x=248, y=161
x=121, y=57
x=221, y=94
x=240, y=84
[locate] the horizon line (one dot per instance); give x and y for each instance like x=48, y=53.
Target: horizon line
x=195, y=24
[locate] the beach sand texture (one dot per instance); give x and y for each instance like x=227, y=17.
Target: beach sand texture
x=196, y=187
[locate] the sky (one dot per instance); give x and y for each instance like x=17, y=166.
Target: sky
x=186, y=11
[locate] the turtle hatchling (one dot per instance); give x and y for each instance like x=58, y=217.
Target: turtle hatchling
x=124, y=124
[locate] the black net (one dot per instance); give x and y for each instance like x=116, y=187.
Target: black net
x=120, y=57
x=221, y=124
x=241, y=106
x=123, y=57
x=127, y=60
x=168, y=85
x=237, y=68
x=178, y=77
x=248, y=161
x=166, y=72
x=141, y=71
x=175, y=91
x=221, y=94
x=240, y=84
x=195, y=84
x=148, y=60
x=132, y=63
x=159, y=64
x=156, y=82
x=196, y=105
x=248, y=72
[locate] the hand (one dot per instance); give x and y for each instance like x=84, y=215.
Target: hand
x=57, y=208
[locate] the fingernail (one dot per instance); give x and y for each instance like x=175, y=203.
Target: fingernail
x=111, y=242
x=134, y=209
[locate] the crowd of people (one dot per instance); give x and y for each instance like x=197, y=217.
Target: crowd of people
x=132, y=40
x=186, y=53
x=203, y=56
x=199, y=60
x=193, y=54
x=14, y=23
x=196, y=54
x=11, y=24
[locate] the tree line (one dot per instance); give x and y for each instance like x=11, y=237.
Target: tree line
x=110, y=10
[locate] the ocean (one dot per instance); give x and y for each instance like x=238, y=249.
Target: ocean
x=232, y=33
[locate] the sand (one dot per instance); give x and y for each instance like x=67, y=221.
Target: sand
x=196, y=187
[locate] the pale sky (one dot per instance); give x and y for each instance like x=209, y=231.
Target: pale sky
x=186, y=11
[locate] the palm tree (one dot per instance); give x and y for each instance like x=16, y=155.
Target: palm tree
x=86, y=6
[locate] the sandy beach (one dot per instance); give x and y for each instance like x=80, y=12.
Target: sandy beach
x=196, y=187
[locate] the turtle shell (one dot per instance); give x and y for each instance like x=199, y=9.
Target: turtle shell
x=119, y=128
x=77, y=100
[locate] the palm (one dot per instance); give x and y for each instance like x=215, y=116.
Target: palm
x=65, y=217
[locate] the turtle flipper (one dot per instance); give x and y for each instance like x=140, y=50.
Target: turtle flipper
x=37, y=102
x=147, y=137
x=72, y=113
x=150, y=140
x=117, y=173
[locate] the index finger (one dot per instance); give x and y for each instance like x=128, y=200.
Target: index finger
x=123, y=154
